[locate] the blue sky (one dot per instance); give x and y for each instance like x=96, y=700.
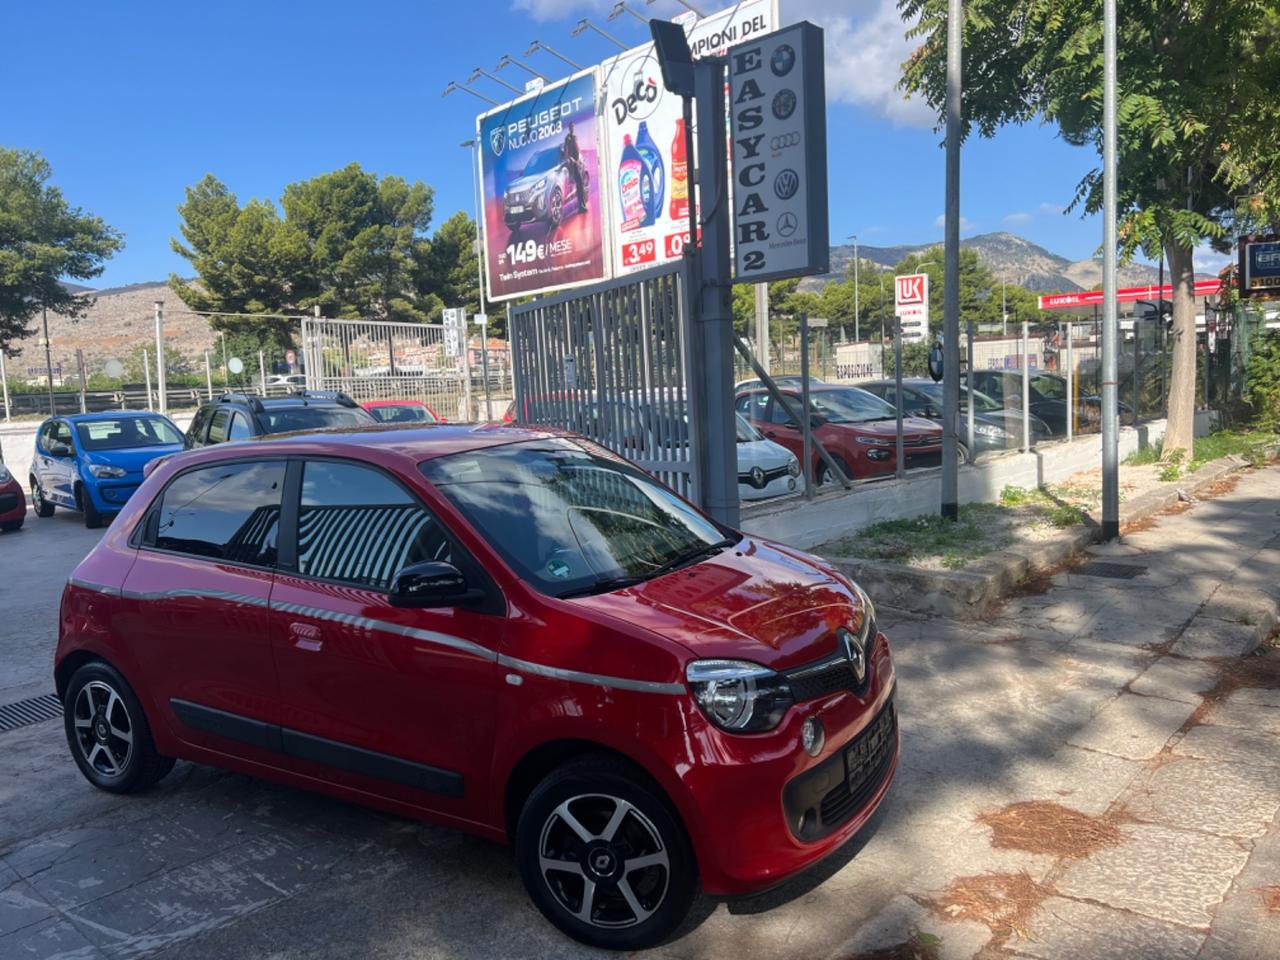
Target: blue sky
x=131, y=102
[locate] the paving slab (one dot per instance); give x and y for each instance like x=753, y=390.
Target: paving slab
x=1133, y=727
x=21, y=906
x=902, y=920
x=1172, y=875
x=1246, y=716
x=1229, y=744
x=1062, y=928
x=52, y=939
x=1207, y=638
x=1258, y=697
x=1176, y=678
x=1243, y=926
x=1228, y=799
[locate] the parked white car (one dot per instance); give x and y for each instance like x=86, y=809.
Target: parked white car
x=765, y=469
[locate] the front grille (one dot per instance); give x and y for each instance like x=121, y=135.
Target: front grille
x=820, y=681
x=768, y=476
x=866, y=761
x=925, y=459
x=9, y=501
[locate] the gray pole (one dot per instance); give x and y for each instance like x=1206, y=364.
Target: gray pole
x=80, y=370
x=262, y=372
x=951, y=282
x=226, y=372
x=1110, y=429
x=48, y=362
x=856, y=325
x=762, y=325
x=1026, y=387
x=4, y=382
x=208, y=375
x=973, y=451
x=1071, y=376
x=806, y=421
x=901, y=469
x=484, y=367
x=161, y=380
x=146, y=372
x=713, y=321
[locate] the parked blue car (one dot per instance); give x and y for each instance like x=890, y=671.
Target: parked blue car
x=93, y=462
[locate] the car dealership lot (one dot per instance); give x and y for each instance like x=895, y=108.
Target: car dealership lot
x=1059, y=700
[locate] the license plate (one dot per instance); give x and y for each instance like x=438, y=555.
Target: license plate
x=516, y=208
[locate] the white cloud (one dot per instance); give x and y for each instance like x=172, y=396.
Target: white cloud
x=1208, y=260
x=555, y=9
x=1051, y=209
x=1018, y=219
x=965, y=222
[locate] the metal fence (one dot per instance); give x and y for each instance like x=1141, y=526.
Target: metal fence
x=614, y=364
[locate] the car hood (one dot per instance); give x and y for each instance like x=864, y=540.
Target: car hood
x=911, y=426
x=764, y=454
x=521, y=184
x=1008, y=420
x=752, y=602
x=132, y=459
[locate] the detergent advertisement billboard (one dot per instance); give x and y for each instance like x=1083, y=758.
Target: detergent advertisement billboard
x=541, y=173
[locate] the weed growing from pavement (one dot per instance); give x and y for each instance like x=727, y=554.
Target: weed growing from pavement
x=956, y=543
x=922, y=946
x=1248, y=444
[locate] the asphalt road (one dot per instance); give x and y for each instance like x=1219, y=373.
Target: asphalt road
x=1069, y=698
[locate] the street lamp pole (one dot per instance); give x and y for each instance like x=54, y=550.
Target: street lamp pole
x=951, y=255
x=857, y=334
x=1110, y=324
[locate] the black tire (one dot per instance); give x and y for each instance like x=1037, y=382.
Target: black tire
x=555, y=212
x=824, y=475
x=92, y=518
x=12, y=525
x=39, y=504
x=119, y=757
x=593, y=789
x=962, y=453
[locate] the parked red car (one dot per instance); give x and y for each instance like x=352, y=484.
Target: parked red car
x=13, y=501
x=510, y=632
x=401, y=411
x=857, y=428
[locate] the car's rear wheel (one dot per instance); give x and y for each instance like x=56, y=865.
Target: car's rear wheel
x=92, y=518
x=42, y=507
x=108, y=732
x=603, y=856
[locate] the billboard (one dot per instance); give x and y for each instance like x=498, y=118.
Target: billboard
x=540, y=175
x=778, y=142
x=911, y=305
x=1259, y=266
x=647, y=171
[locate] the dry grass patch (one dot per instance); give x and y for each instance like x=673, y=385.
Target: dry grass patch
x=922, y=946
x=1045, y=827
x=1258, y=672
x=1002, y=902
x=1270, y=898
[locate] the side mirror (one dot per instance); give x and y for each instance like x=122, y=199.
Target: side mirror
x=59, y=448
x=433, y=583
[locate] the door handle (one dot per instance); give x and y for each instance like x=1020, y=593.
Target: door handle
x=306, y=636
x=770, y=434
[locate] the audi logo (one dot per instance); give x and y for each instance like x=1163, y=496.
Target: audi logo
x=785, y=140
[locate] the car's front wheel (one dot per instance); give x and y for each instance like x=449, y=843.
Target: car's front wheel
x=604, y=857
x=108, y=733
x=92, y=517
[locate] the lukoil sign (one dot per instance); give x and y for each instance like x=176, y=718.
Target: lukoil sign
x=911, y=305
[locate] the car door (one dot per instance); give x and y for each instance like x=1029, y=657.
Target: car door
x=219, y=426
x=58, y=466
x=383, y=699
x=195, y=605
x=780, y=428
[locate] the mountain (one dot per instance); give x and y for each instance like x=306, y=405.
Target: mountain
x=1011, y=258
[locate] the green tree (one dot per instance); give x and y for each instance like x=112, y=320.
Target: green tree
x=1197, y=114
x=449, y=272
x=43, y=240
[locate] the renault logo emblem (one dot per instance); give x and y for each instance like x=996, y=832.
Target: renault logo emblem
x=757, y=477
x=852, y=652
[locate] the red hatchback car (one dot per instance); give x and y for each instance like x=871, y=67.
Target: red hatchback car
x=13, y=501
x=858, y=429
x=511, y=632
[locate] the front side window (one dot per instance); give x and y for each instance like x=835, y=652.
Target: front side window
x=357, y=525
x=127, y=432
x=226, y=511
x=779, y=415
x=569, y=518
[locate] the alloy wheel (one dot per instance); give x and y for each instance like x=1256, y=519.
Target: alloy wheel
x=103, y=728
x=604, y=861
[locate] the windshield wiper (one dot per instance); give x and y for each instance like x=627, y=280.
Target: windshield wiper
x=609, y=584
x=689, y=556
x=605, y=585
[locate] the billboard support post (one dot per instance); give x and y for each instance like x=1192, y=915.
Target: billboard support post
x=951, y=279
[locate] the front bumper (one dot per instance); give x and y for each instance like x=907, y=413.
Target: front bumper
x=110, y=496
x=777, y=487
x=742, y=786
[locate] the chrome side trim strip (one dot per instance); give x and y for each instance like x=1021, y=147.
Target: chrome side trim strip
x=365, y=623
x=241, y=598
x=599, y=680
x=95, y=587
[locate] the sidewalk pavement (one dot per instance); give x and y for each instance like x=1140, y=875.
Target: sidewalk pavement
x=1066, y=790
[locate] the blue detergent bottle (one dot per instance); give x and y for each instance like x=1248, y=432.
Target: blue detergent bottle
x=652, y=158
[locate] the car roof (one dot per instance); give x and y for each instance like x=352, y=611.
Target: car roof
x=108, y=415
x=394, y=403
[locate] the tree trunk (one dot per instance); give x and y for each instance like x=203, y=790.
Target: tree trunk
x=1180, y=430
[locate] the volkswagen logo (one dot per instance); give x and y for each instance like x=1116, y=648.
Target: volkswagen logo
x=498, y=140
x=783, y=59
x=786, y=183
x=784, y=104
x=784, y=140
x=788, y=224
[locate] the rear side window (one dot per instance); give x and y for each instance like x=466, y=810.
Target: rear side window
x=357, y=525
x=195, y=432
x=218, y=428
x=239, y=428
x=226, y=511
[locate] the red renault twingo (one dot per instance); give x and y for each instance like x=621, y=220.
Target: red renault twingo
x=511, y=632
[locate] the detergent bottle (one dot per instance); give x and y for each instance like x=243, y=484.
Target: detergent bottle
x=679, y=176
x=634, y=186
x=652, y=158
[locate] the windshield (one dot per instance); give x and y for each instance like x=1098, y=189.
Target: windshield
x=402, y=413
x=850, y=406
x=542, y=162
x=127, y=432
x=567, y=516
x=980, y=400
x=1050, y=387
x=746, y=432
x=288, y=419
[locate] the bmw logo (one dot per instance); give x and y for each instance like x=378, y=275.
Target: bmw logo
x=786, y=183
x=784, y=104
x=783, y=59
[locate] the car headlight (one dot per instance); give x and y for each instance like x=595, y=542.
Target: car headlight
x=5, y=475
x=868, y=628
x=104, y=471
x=739, y=696
x=989, y=430
x=540, y=184
x=793, y=467
x=877, y=441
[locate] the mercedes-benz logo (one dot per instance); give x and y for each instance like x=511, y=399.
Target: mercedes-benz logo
x=784, y=104
x=786, y=183
x=783, y=59
x=788, y=224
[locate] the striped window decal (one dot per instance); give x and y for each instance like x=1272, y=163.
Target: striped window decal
x=363, y=544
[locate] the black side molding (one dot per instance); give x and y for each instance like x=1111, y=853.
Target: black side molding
x=305, y=746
